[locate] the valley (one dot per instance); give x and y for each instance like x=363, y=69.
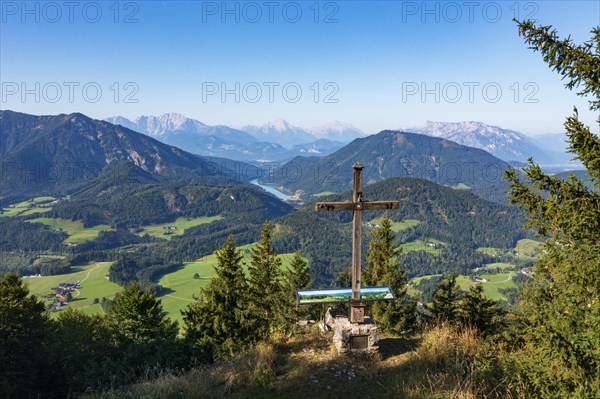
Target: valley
x=180, y=287
x=156, y=214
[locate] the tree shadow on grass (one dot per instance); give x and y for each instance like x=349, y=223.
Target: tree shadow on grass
x=395, y=346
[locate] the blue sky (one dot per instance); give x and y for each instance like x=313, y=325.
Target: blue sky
x=377, y=65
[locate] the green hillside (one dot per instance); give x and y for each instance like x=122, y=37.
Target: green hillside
x=176, y=228
x=182, y=286
x=393, y=154
x=75, y=229
x=94, y=285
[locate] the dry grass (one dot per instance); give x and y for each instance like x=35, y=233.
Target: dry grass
x=441, y=363
x=447, y=364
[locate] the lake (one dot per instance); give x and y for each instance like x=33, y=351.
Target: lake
x=272, y=190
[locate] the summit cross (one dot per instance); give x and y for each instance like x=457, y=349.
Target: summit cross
x=357, y=206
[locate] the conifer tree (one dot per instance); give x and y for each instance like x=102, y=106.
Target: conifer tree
x=296, y=277
x=480, y=312
x=85, y=352
x=24, y=335
x=217, y=320
x=383, y=268
x=445, y=304
x=145, y=336
x=267, y=296
x=561, y=308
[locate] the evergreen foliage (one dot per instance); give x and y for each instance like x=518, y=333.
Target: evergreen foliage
x=146, y=337
x=296, y=277
x=266, y=292
x=217, y=321
x=445, y=306
x=383, y=268
x=24, y=336
x=86, y=354
x=561, y=307
x=481, y=313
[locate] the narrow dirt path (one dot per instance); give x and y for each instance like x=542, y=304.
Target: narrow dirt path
x=86, y=277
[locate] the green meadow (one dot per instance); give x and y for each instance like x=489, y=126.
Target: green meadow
x=94, y=284
x=179, y=226
x=430, y=245
x=398, y=226
x=490, y=288
x=496, y=265
x=25, y=208
x=74, y=228
x=184, y=287
x=527, y=248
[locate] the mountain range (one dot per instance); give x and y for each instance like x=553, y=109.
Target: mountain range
x=281, y=132
x=548, y=150
x=281, y=141
x=274, y=141
x=58, y=154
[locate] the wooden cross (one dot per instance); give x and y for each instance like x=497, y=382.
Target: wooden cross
x=357, y=305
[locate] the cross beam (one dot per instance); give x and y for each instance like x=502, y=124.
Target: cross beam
x=357, y=206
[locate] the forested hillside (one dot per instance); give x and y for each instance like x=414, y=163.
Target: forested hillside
x=459, y=219
x=396, y=154
x=58, y=155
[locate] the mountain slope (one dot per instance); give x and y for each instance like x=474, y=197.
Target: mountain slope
x=165, y=126
x=58, y=154
x=392, y=154
x=508, y=145
x=458, y=218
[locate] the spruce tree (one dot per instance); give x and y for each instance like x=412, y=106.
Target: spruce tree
x=145, y=336
x=480, y=312
x=445, y=304
x=296, y=277
x=25, y=331
x=85, y=352
x=216, y=321
x=561, y=308
x=383, y=268
x=267, y=296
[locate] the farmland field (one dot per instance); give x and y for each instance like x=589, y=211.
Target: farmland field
x=398, y=226
x=177, y=227
x=490, y=288
x=527, y=248
x=25, y=208
x=184, y=287
x=432, y=246
x=94, y=284
x=77, y=233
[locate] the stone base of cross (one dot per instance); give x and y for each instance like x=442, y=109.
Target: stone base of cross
x=357, y=206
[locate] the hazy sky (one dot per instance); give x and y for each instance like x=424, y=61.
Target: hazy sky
x=377, y=65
